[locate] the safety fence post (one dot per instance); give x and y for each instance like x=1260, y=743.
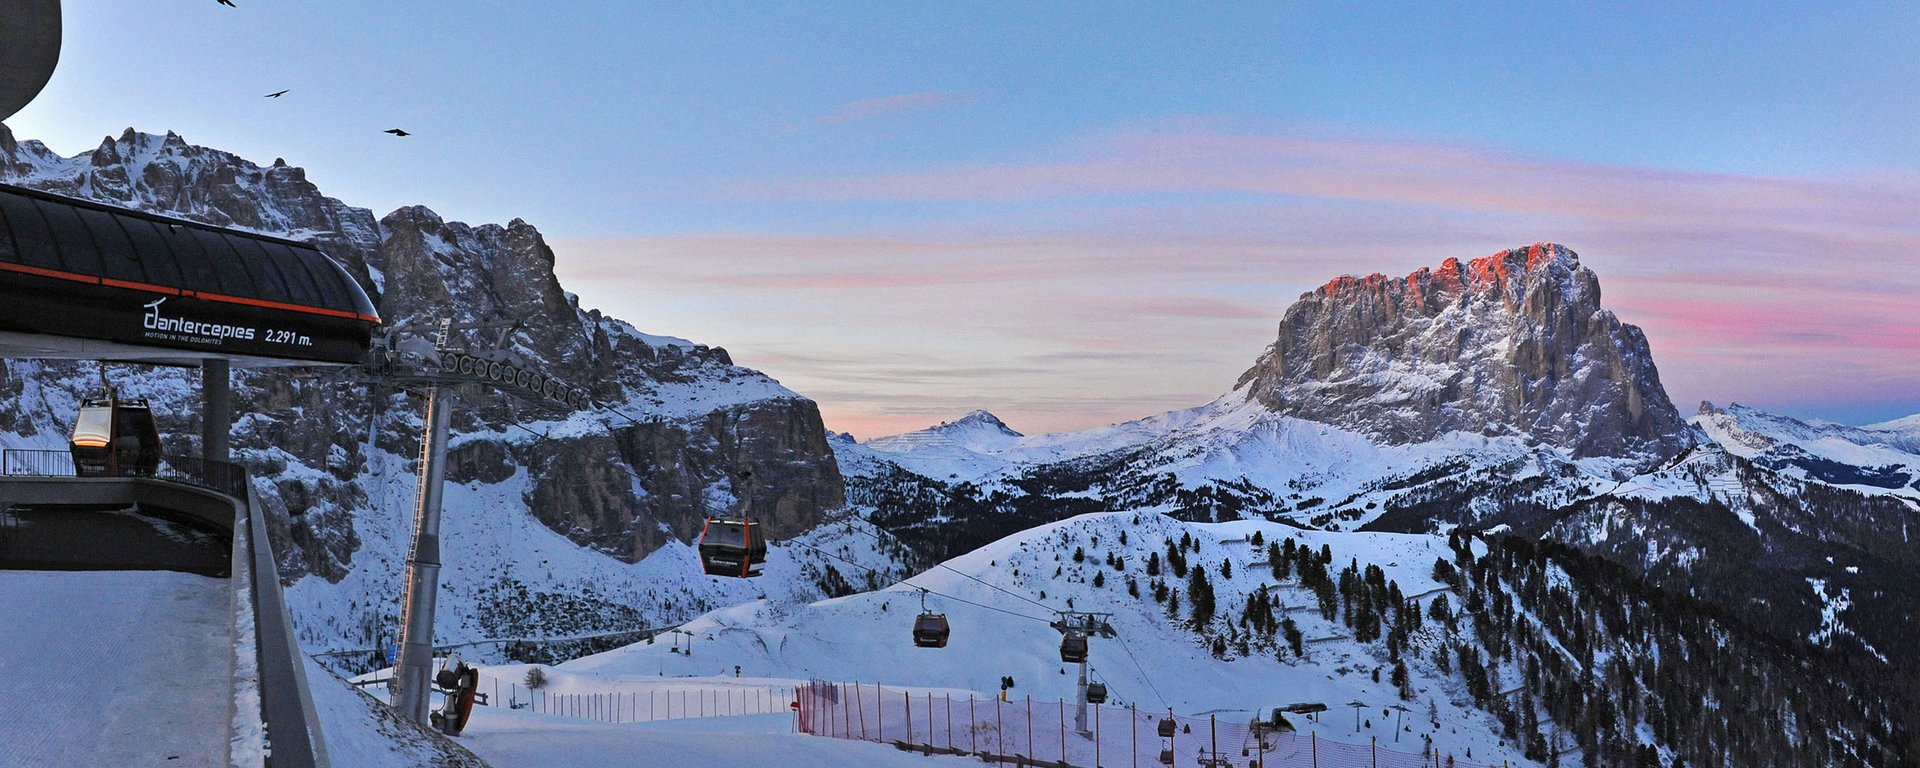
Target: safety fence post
x=949, y=721
x=1213, y=732
x=1316, y=748
x=1030, y=753
x=999, y=723
x=973, y=726
x=1375, y=743
x=1135, y=710
x=908, y=698
x=1063, y=730
x=880, y=712
x=1096, y=736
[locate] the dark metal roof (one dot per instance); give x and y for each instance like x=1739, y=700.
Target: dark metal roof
x=29, y=49
x=85, y=242
x=82, y=280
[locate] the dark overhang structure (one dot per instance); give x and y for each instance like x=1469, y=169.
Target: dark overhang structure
x=83, y=280
x=29, y=49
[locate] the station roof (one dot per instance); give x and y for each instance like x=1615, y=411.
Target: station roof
x=106, y=256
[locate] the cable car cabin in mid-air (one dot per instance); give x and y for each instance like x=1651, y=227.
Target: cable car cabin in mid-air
x=1073, y=648
x=733, y=548
x=1096, y=693
x=931, y=630
x=115, y=437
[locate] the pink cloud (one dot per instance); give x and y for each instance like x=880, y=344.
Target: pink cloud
x=1752, y=288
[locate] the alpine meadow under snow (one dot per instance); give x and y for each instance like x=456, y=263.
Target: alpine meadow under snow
x=1456, y=507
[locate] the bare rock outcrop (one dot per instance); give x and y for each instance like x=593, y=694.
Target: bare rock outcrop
x=1513, y=344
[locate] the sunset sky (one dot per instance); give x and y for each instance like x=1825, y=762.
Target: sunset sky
x=1078, y=213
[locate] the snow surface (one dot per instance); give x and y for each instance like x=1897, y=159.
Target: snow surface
x=115, y=668
x=489, y=538
x=518, y=739
x=1154, y=663
x=360, y=732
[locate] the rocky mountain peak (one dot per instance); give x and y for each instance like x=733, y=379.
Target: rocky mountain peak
x=978, y=420
x=1511, y=344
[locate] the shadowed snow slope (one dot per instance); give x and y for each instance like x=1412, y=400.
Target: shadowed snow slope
x=1156, y=661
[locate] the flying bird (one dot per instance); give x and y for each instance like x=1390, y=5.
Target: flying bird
x=397, y=132
x=227, y=3
x=278, y=94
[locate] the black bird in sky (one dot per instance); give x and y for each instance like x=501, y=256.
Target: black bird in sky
x=397, y=132
x=227, y=3
x=278, y=94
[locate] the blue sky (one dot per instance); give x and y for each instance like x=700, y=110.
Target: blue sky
x=1072, y=213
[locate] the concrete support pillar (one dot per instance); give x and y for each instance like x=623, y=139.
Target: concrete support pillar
x=216, y=409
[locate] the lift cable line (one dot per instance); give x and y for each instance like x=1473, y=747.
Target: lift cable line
x=1143, y=671
x=907, y=581
x=976, y=579
x=893, y=581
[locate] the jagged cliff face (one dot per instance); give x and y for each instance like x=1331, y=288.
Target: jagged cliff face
x=689, y=425
x=1511, y=344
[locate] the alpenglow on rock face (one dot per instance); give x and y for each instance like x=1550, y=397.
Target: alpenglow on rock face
x=1511, y=344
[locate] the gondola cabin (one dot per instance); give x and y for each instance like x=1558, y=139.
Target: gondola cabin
x=931, y=630
x=1073, y=648
x=1165, y=728
x=734, y=548
x=114, y=437
x=1096, y=693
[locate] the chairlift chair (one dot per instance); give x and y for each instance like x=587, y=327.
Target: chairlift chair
x=1073, y=648
x=733, y=548
x=1096, y=693
x=115, y=437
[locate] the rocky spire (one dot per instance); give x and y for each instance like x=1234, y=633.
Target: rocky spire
x=1510, y=344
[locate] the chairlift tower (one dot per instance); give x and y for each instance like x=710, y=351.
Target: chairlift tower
x=1075, y=627
x=435, y=368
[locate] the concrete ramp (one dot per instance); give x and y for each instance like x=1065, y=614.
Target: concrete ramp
x=115, y=668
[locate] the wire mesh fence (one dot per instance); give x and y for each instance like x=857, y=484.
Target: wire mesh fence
x=639, y=706
x=1050, y=733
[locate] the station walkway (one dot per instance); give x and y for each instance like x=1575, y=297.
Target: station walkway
x=116, y=643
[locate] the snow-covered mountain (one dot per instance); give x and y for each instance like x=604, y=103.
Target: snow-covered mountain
x=1877, y=458
x=564, y=522
x=1515, y=343
x=1494, y=647
x=1495, y=395
x=1451, y=396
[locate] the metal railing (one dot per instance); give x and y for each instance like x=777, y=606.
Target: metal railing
x=221, y=476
